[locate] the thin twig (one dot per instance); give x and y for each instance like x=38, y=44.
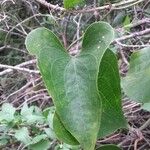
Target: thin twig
x=77, y=32
x=140, y=33
x=20, y=23
x=140, y=22
x=17, y=67
x=116, y=6
x=132, y=46
x=51, y=6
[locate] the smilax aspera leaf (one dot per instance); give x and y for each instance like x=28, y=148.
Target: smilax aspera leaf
x=112, y=117
x=72, y=80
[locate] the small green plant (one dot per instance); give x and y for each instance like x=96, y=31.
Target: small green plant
x=85, y=88
x=30, y=126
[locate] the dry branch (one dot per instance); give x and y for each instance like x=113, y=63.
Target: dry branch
x=140, y=33
x=19, y=67
x=116, y=6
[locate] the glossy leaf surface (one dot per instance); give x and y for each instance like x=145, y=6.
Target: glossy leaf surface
x=72, y=81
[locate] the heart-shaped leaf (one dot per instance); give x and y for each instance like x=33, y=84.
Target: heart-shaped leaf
x=110, y=91
x=72, y=81
x=137, y=82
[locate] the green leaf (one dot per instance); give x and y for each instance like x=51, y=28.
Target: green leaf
x=31, y=114
x=7, y=112
x=38, y=138
x=48, y=110
x=110, y=91
x=3, y=142
x=137, y=82
x=72, y=81
x=146, y=106
x=49, y=114
x=62, y=133
x=23, y=135
x=41, y=145
x=126, y=22
x=72, y=3
x=109, y=86
x=50, y=133
x=50, y=117
x=118, y=20
x=109, y=147
x=72, y=147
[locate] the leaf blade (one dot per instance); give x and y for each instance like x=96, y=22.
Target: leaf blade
x=62, y=133
x=110, y=91
x=23, y=135
x=71, y=81
x=7, y=113
x=138, y=77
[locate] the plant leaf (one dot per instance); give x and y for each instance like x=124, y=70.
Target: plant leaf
x=110, y=91
x=146, y=106
x=126, y=22
x=23, y=135
x=3, y=142
x=118, y=20
x=137, y=82
x=50, y=117
x=62, y=133
x=7, y=112
x=72, y=3
x=72, y=81
x=38, y=138
x=50, y=133
x=31, y=114
x=72, y=147
x=109, y=147
x=41, y=145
